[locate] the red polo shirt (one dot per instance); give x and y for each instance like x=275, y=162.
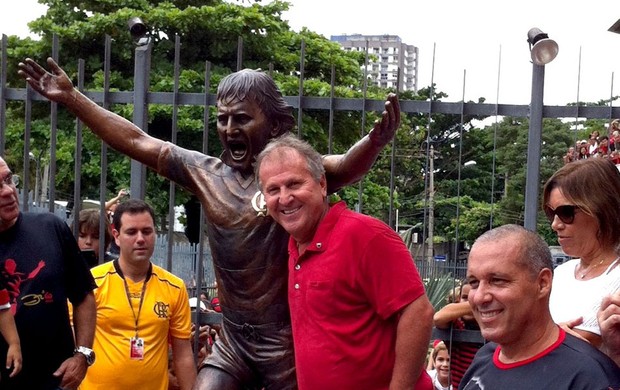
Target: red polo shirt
x=343, y=294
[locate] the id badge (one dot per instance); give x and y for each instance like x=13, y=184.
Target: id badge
x=136, y=351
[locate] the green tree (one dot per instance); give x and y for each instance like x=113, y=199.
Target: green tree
x=208, y=31
x=455, y=142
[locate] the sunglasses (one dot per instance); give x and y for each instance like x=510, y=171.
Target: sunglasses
x=566, y=213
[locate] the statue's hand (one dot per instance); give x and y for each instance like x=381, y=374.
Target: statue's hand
x=384, y=129
x=55, y=86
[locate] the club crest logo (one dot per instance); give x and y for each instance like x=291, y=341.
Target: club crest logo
x=161, y=309
x=259, y=204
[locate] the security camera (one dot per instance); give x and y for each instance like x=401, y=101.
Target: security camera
x=137, y=28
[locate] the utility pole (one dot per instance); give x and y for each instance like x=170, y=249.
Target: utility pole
x=431, y=211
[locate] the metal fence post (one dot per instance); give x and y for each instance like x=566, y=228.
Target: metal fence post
x=532, y=177
x=142, y=66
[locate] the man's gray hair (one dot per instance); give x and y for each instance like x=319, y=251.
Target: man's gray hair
x=283, y=145
x=535, y=253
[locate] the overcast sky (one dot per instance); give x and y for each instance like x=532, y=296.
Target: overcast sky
x=466, y=38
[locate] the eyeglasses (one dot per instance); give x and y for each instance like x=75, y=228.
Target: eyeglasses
x=9, y=180
x=566, y=213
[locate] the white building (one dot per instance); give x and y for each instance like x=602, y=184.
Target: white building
x=391, y=64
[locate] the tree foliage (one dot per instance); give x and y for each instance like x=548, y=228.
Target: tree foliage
x=208, y=31
x=468, y=198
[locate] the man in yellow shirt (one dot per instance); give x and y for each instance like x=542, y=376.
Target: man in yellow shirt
x=142, y=310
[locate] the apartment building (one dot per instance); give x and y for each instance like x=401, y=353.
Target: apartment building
x=391, y=63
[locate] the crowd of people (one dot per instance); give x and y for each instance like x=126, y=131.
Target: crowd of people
x=312, y=294
x=597, y=145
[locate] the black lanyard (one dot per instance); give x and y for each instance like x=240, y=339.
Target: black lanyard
x=135, y=317
x=118, y=269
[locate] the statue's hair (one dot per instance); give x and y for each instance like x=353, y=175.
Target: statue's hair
x=257, y=86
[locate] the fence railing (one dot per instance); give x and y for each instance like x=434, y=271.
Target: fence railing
x=141, y=98
x=184, y=254
x=457, y=270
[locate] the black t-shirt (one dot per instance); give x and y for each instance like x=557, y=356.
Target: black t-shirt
x=570, y=364
x=41, y=267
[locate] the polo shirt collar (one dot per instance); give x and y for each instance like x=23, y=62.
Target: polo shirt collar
x=322, y=235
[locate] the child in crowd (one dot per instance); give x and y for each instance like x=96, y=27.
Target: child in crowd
x=441, y=361
x=459, y=316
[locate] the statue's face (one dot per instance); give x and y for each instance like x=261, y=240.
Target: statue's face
x=244, y=130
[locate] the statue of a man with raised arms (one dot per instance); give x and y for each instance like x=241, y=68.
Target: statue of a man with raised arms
x=255, y=348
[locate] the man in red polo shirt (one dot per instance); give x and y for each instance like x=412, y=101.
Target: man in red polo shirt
x=359, y=312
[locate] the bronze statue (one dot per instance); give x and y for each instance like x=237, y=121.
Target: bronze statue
x=249, y=249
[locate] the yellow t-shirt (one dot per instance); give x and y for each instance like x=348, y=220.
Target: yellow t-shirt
x=165, y=314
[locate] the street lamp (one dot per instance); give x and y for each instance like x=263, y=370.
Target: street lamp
x=138, y=31
x=615, y=28
x=543, y=50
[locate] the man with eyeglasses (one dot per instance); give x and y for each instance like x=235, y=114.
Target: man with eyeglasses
x=41, y=267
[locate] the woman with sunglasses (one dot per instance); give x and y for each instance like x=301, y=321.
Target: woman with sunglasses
x=581, y=200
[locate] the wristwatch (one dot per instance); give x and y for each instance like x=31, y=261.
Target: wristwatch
x=88, y=353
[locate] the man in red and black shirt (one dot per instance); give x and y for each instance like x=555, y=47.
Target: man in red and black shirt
x=510, y=271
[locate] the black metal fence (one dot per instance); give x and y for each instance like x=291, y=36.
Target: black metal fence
x=429, y=270
x=141, y=97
